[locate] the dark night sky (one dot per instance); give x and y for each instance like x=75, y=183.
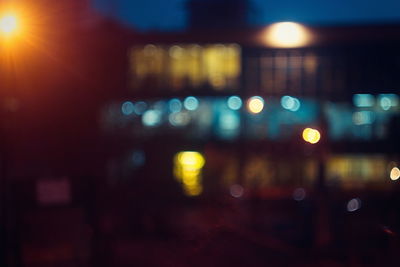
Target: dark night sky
x=171, y=15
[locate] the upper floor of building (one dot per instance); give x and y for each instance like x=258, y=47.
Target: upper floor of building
x=331, y=63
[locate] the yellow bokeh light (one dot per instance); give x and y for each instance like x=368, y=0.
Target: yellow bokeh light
x=255, y=104
x=395, y=174
x=187, y=170
x=311, y=136
x=9, y=24
x=287, y=35
x=191, y=159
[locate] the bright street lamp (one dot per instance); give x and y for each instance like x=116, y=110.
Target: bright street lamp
x=9, y=24
x=287, y=35
x=9, y=27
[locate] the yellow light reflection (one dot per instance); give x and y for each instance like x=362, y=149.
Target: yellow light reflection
x=287, y=35
x=311, y=136
x=187, y=170
x=255, y=104
x=9, y=24
x=395, y=174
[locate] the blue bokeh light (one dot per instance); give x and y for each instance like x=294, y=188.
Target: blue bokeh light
x=290, y=103
x=175, y=105
x=140, y=108
x=234, y=102
x=127, y=108
x=191, y=103
x=363, y=100
x=151, y=118
x=179, y=119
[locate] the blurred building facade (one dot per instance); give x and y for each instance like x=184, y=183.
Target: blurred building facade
x=107, y=129
x=195, y=88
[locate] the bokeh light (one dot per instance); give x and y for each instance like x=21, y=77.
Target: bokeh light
x=236, y=190
x=229, y=120
x=388, y=101
x=255, y=104
x=140, y=108
x=234, y=102
x=9, y=24
x=175, y=105
x=187, y=170
x=191, y=103
x=287, y=35
x=191, y=159
x=385, y=103
x=299, y=194
x=151, y=118
x=311, y=135
x=394, y=173
x=127, y=108
x=353, y=204
x=290, y=103
x=179, y=119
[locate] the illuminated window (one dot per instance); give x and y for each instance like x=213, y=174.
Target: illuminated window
x=147, y=66
x=356, y=171
x=185, y=66
x=262, y=172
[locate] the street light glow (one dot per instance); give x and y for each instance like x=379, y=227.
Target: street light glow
x=9, y=24
x=287, y=35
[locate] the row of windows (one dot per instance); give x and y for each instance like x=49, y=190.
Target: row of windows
x=219, y=67
x=188, y=66
x=228, y=67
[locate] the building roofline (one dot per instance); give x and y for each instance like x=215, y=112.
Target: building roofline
x=322, y=35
